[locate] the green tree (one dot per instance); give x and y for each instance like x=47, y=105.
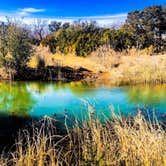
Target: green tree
x=54, y=26
x=19, y=47
x=120, y=39
x=51, y=42
x=90, y=38
x=147, y=26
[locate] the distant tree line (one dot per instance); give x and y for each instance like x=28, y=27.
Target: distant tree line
x=142, y=29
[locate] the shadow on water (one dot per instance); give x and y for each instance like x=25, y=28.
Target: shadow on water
x=10, y=126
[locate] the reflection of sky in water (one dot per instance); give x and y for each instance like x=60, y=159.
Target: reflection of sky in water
x=63, y=101
x=60, y=101
x=39, y=99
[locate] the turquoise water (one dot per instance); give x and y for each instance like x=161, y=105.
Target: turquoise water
x=38, y=99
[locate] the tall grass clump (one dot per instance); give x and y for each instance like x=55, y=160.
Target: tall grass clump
x=122, y=142
x=119, y=142
x=130, y=66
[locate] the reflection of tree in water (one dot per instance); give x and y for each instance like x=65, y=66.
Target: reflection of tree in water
x=15, y=99
x=78, y=88
x=148, y=98
x=147, y=95
x=38, y=87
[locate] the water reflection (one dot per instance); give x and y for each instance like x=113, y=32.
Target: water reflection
x=15, y=99
x=147, y=95
x=151, y=99
x=37, y=99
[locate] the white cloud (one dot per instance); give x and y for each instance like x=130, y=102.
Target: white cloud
x=28, y=11
x=32, y=10
x=2, y=18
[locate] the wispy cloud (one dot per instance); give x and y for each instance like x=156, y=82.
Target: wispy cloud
x=105, y=20
x=29, y=11
x=29, y=17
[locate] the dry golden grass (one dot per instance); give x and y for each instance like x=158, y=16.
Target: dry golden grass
x=4, y=75
x=131, y=66
x=140, y=69
x=35, y=149
x=127, y=67
x=120, y=142
x=62, y=60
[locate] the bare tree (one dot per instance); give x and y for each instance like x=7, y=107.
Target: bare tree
x=40, y=28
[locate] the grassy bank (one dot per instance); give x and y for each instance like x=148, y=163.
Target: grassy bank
x=107, y=66
x=120, y=142
x=104, y=65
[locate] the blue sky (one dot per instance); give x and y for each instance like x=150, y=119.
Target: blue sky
x=104, y=11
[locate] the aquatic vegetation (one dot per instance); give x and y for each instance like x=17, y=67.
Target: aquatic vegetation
x=131, y=141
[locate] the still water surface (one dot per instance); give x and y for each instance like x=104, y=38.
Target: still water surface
x=37, y=99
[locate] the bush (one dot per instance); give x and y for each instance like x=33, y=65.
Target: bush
x=15, y=47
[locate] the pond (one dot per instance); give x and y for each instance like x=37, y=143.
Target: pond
x=23, y=103
x=77, y=100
